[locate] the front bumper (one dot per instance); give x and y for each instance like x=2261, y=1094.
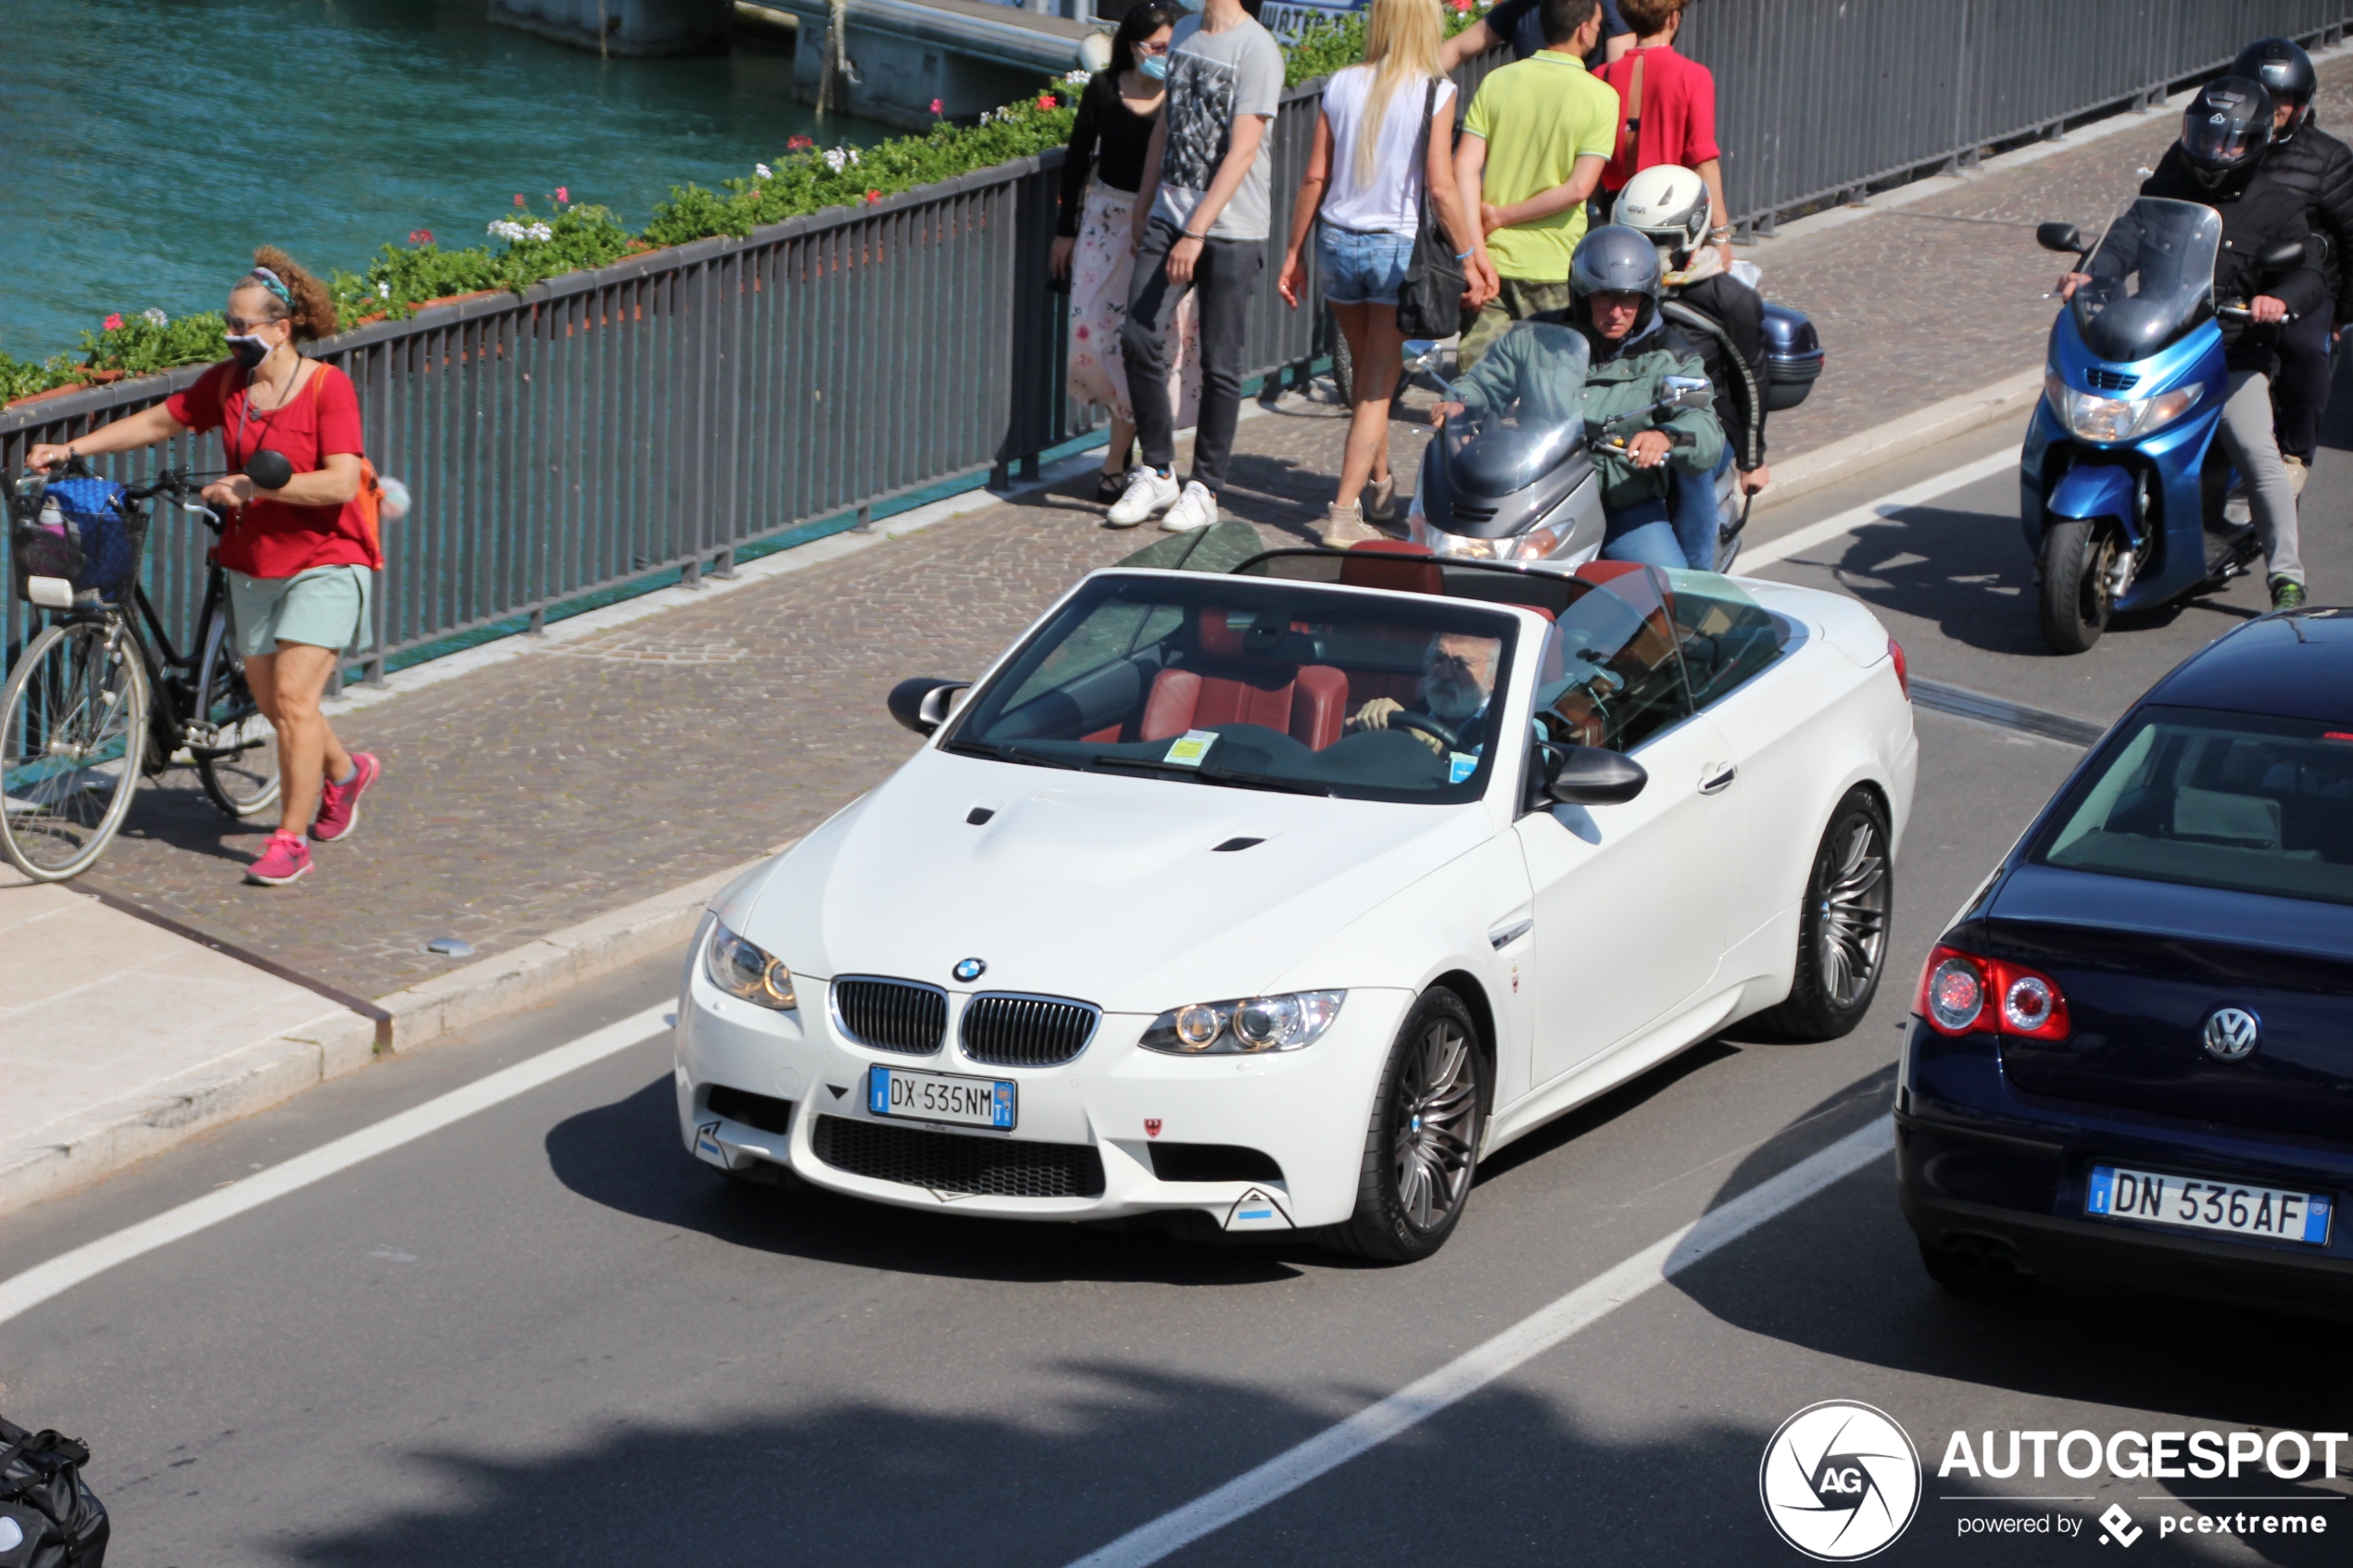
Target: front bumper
x=1306, y=1110
x=1985, y=1167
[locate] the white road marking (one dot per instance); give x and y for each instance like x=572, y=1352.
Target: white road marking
x=25, y=1291
x=1848, y=521
x=1467, y=1373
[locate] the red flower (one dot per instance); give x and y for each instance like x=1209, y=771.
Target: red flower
x=934, y=105
x=1462, y=6
x=873, y=197
x=519, y=201
x=114, y=322
x=420, y=236
x=1044, y=100
x=798, y=143
x=563, y=193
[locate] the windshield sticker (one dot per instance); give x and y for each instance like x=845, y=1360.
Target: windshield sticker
x=1460, y=765
x=1188, y=749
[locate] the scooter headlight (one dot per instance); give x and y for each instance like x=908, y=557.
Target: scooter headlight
x=1534, y=545
x=2108, y=421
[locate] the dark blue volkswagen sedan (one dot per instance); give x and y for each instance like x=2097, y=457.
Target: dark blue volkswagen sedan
x=2132, y=1054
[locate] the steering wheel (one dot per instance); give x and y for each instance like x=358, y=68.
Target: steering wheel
x=1404, y=719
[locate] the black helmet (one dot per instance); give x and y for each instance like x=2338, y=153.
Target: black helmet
x=1615, y=258
x=2285, y=72
x=2226, y=130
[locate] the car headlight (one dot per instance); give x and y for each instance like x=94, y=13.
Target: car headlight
x=1534, y=545
x=748, y=971
x=1253, y=1024
x=2109, y=419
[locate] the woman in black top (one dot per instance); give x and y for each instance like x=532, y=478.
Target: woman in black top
x=1115, y=126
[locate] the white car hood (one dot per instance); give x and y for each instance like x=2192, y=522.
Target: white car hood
x=1095, y=886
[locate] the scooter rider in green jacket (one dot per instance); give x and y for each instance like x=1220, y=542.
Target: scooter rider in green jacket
x=1629, y=352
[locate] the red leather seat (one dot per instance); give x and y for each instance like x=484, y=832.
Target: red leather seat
x=1222, y=684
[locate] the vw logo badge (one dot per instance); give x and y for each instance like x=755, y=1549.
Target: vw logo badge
x=969, y=969
x=2231, y=1034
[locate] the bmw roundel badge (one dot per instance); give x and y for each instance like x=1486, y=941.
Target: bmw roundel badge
x=2231, y=1034
x=969, y=969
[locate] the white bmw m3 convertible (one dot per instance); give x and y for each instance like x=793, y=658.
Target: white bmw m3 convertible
x=1277, y=899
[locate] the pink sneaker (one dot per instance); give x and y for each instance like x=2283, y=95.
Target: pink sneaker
x=286, y=858
x=339, y=803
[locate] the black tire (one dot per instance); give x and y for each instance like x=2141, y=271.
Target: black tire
x=1421, y=1149
x=73, y=739
x=1841, y=932
x=2079, y=561
x=239, y=769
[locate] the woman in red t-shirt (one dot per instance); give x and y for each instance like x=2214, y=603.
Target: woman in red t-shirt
x=1667, y=110
x=299, y=559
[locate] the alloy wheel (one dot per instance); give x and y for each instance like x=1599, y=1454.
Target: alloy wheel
x=1437, y=1111
x=1854, y=913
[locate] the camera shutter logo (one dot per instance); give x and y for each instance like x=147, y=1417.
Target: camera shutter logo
x=1840, y=1481
x=2231, y=1034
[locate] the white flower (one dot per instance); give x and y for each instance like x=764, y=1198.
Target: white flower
x=853, y=153
x=761, y=172
x=154, y=317
x=1076, y=78
x=384, y=291
x=835, y=159
x=500, y=229
x=540, y=231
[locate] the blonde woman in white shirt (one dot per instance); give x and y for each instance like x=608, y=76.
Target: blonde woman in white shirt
x=1365, y=184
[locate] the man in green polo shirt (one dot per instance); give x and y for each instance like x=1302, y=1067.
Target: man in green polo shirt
x=1540, y=133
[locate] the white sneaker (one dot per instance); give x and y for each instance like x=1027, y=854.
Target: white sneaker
x=1149, y=493
x=1195, y=509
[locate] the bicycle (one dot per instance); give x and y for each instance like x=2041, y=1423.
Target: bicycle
x=101, y=698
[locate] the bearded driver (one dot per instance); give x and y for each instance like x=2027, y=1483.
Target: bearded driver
x=1458, y=676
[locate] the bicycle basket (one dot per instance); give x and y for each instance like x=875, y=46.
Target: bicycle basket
x=85, y=532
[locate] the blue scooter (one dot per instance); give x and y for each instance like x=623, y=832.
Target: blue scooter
x=2122, y=486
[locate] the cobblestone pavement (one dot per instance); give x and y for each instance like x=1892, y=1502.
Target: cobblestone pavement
x=535, y=794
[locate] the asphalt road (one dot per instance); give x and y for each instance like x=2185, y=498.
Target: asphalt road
x=544, y=1335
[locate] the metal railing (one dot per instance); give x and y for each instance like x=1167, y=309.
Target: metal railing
x=661, y=415
x=1819, y=100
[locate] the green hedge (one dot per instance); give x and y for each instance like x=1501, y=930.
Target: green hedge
x=568, y=236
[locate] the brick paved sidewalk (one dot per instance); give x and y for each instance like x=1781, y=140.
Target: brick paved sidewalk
x=538, y=792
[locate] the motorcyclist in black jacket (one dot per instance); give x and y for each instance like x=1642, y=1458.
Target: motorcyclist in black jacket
x=2218, y=163
x=2319, y=168
x=1724, y=319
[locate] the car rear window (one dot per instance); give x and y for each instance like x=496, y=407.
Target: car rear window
x=2213, y=800
x=1251, y=684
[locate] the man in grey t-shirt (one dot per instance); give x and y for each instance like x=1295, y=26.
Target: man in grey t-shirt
x=1201, y=224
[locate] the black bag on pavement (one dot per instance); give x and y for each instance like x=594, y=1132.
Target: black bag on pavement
x=48, y=1519
x=1429, y=302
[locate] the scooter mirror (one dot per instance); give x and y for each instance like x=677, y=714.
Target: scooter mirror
x=2058, y=236
x=2277, y=260
x=1686, y=392
x=1421, y=354
x=269, y=470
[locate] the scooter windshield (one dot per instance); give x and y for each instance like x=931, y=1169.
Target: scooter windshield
x=2152, y=277
x=1521, y=411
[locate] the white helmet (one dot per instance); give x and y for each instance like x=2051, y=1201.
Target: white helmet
x=1668, y=203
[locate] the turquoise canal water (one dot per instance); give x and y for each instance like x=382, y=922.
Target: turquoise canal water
x=147, y=146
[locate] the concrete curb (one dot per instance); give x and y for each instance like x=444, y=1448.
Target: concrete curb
x=85, y=1148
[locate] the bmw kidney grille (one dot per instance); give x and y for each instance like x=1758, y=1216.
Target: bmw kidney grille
x=891, y=1015
x=1016, y=1031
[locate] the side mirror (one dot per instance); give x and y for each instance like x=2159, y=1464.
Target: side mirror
x=1421, y=354
x=2278, y=261
x=269, y=470
x=2059, y=236
x=1686, y=392
x=1589, y=776
x=921, y=703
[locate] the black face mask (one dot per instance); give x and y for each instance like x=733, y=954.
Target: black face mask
x=248, y=351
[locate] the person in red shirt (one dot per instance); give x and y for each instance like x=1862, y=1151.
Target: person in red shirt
x=300, y=558
x=1667, y=110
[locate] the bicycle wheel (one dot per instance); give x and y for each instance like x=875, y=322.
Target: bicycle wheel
x=235, y=747
x=73, y=732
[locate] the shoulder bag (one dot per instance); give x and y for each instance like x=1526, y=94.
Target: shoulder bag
x=1429, y=302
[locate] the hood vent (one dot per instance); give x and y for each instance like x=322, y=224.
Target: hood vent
x=1232, y=844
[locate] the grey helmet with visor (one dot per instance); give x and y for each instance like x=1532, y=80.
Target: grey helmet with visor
x=2226, y=130
x=1617, y=259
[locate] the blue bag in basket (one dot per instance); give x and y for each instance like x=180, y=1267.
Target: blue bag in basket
x=83, y=534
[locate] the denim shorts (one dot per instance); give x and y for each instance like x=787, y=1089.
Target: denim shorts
x=1360, y=268
x=323, y=608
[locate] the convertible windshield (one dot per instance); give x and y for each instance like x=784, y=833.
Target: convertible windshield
x=2225, y=800
x=2152, y=277
x=1254, y=685
x=1522, y=410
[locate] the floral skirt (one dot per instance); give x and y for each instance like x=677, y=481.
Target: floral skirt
x=1100, y=270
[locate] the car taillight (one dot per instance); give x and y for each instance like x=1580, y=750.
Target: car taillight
x=1903, y=671
x=1962, y=994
